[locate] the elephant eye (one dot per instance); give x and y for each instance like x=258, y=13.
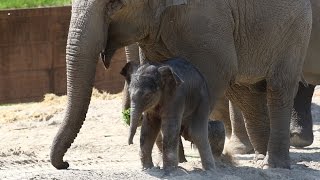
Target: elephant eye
x=147, y=94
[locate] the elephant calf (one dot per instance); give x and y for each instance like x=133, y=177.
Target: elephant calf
x=174, y=97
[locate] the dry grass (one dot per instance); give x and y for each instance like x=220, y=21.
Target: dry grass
x=45, y=110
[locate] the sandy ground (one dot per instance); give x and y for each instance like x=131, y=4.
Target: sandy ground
x=101, y=152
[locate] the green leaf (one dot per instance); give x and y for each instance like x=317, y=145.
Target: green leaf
x=126, y=116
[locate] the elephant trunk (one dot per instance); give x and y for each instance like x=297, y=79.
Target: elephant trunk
x=87, y=37
x=135, y=115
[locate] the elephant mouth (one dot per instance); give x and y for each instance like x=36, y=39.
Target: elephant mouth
x=106, y=56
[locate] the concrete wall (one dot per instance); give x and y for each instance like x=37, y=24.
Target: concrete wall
x=32, y=55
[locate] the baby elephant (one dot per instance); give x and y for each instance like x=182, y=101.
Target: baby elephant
x=175, y=98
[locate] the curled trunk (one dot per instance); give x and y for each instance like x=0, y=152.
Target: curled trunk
x=87, y=35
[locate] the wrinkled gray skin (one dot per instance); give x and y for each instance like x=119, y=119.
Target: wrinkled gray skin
x=134, y=55
x=240, y=48
x=301, y=123
x=216, y=131
x=175, y=98
x=301, y=132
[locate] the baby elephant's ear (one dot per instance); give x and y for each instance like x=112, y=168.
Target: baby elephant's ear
x=129, y=69
x=168, y=76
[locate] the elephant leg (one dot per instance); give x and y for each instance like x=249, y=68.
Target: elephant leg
x=216, y=136
x=301, y=133
x=252, y=103
x=198, y=132
x=280, y=96
x=182, y=157
x=149, y=132
x=221, y=113
x=239, y=142
x=171, y=133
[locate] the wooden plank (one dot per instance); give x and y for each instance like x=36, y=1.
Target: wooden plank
x=15, y=86
x=16, y=58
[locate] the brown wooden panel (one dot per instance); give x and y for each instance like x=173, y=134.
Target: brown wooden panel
x=15, y=86
x=33, y=25
x=16, y=58
x=109, y=86
x=32, y=55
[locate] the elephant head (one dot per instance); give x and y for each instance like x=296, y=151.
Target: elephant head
x=147, y=87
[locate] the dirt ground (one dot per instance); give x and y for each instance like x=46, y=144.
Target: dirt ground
x=101, y=152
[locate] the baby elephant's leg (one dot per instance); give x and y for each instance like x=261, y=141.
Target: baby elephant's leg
x=182, y=157
x=170, y=129
x=149, y=132
x=199, y=134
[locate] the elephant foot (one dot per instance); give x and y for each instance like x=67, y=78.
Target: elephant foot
x=301, y=140
x=169, y=170
x=173, y=171
x=236, y=146
x=266, y=162
x=62, y=165
x=182, y=159
x=147, y=165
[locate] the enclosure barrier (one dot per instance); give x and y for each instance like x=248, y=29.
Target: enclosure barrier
x=32, y=55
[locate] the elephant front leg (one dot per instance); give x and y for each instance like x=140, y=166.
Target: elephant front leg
x=149, y=132
x=170, y=130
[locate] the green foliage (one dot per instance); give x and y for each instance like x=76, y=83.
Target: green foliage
x=126, y=116
x=11, y=4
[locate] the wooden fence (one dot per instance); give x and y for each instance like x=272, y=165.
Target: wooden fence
x=32, y=55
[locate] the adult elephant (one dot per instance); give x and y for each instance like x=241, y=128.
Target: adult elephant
x=301, y=132
x=240, y=46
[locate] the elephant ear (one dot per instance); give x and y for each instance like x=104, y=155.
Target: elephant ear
x=169, y=78
x=165, y=4
x=128, y=70
x=114, y=5
x=175, y=2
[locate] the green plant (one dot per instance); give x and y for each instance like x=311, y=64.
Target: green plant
x=126, y=116
x=9, y=4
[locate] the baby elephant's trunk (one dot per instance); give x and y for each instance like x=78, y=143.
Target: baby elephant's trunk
x=135, y=115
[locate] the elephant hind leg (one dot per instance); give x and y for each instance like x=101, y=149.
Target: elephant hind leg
x=252, y=102
x=301, y=133
x=239, y=142
x=198, y=132
x=182, y=157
